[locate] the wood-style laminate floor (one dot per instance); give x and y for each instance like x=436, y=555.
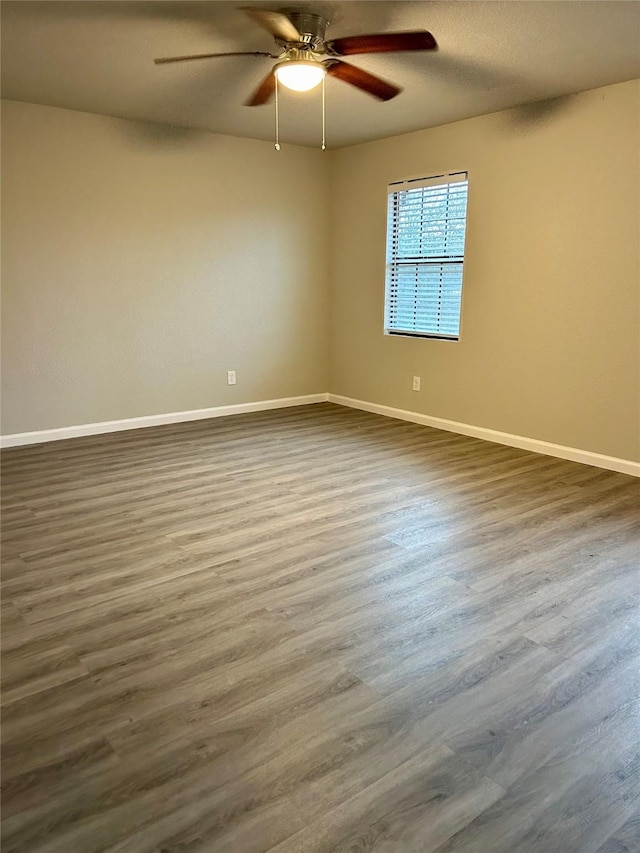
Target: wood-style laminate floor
x=317, y=630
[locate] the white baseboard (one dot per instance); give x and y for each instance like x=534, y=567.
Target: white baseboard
x=611, y=463
x=599, y=460
x=39, y=436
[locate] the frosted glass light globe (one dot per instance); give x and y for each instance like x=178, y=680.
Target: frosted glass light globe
x=301, y=76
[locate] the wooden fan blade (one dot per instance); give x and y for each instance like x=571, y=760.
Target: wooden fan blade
x=264, y=91
x=275, y=23
x=382, y=43
x=164, y=59
x=375, y=86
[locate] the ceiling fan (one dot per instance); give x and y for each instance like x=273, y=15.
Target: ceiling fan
x=306, y=57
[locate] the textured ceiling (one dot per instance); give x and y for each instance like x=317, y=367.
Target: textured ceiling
x=98, y=57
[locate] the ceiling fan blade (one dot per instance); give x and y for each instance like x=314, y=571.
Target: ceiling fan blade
x=275, y=23
x=164, y=59
x=382, y=43
x=263, y=93
x=369, y=83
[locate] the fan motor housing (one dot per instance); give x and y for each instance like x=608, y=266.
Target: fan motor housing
x=312, y=27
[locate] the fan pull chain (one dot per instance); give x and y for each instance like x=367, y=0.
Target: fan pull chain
x=277, y=143
x=324, y=116
x=324, y=122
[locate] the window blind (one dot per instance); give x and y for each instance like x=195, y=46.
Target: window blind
x=426, y=223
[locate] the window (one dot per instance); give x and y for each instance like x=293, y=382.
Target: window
x=426, y=220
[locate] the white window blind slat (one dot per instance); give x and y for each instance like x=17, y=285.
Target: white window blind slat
x=434, y=180
x=426, y=226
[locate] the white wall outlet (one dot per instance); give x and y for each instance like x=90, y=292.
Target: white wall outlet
x=231, y=377
x=416, y=383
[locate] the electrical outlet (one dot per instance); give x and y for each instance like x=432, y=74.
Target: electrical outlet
x=231, y=377
x=416, y=383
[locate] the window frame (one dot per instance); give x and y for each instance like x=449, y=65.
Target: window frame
x=439, y=179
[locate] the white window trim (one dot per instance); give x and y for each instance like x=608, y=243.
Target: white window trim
x=454, y=176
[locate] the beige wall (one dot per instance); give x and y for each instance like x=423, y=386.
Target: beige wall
x=139, y=265
x=550, y=338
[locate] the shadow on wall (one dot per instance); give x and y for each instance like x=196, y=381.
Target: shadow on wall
x=152, y=134
x=470, y=74
x=539, y=112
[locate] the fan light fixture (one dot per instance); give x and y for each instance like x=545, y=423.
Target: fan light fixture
x=299, y=72
x=301, y=75
x=306, y=58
